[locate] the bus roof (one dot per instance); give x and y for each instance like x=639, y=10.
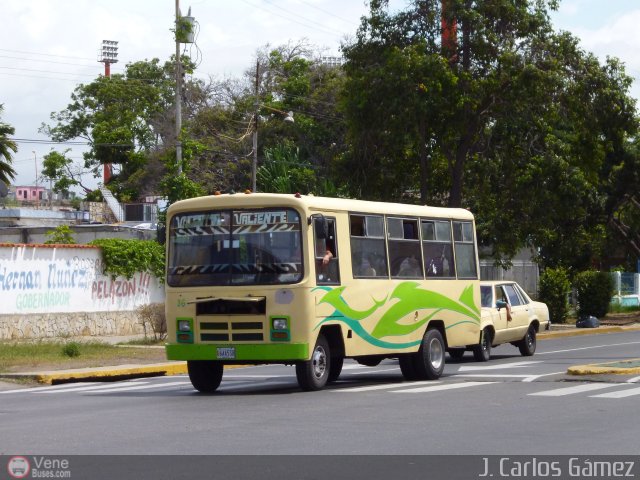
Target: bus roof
x=312, y=204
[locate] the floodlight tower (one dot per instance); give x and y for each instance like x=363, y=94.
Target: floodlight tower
x=108, y=55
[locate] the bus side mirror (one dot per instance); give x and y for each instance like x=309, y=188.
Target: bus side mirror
x=501, y=304
x=321, y=226
x=161, y=233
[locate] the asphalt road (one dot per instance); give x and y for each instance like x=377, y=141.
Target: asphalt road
x=508, y=406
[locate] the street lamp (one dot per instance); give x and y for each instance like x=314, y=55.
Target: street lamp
x=288, y=117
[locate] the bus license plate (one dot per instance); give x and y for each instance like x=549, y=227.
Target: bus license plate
x=226, y=352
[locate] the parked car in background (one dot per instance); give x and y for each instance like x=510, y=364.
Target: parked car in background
x=508, y=316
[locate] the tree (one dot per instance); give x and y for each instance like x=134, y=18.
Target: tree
x=7, y=148
x=123, y=117
x=58, y=168
x=495, y=112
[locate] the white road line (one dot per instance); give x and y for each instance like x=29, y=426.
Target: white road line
x=435, y=388
x=627, y=392
x=371, y=372
x=96, y=387
x=633, y=380
x=239, y=377
x=587, y=348
x=386, y=386
x=533, y=378
x=465, y=368
x=559, y=392
x=139, y=387
x=491, y=375
x=48, y=387
x=244, y=386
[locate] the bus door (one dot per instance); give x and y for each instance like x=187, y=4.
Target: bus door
x=326, y=251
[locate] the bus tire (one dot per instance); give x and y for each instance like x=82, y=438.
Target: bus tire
x=527, y=345
x=407, y=366
x=313, y=374
x=429, y=360
x=482, y=352
x=335, y=368
x=205, y=375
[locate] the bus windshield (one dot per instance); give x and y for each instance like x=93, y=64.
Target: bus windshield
x=235, y=247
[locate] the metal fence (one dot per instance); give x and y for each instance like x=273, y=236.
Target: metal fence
x=626, y=288
x=526, y=273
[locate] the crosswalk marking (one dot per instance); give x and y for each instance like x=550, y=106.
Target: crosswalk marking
x=436, y=388
x=469, y=368
x=138, y=387
x=48, y=387
x=628, y=392
x=92, y=388
x=559, y=392
x=386, y=386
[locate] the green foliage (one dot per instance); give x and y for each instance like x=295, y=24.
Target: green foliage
x=7, y=148
x=553, y=290
x=57, y=168
x=61, y=235
x=594, y=291
x=126, y=257
x=71, y=350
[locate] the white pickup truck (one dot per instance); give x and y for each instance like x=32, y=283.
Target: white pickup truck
x=508, y=316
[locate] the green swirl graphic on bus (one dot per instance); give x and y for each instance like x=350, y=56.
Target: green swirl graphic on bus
x=406, y=298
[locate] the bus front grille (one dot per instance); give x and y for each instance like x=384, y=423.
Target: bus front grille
x=237, y=331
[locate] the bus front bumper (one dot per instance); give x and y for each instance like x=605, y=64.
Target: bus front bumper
x=276, y=353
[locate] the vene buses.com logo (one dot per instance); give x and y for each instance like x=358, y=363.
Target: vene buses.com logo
x=18, y=467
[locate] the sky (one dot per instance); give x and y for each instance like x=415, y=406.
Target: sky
x=47, y=47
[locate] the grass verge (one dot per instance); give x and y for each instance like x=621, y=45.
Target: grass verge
x=57, y=355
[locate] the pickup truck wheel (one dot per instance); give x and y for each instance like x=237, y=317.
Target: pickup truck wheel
x=456, y=353
x=406, y=366
x=527, y=345
x=313, y=374
x=482, y=352
x=205, y=375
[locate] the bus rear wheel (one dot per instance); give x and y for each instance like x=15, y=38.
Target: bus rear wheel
x=313, y=374
x=205, y=375
x=428, y=362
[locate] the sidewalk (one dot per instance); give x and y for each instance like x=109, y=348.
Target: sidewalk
x=120, y=372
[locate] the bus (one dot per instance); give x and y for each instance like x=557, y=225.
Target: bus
x=259, y=278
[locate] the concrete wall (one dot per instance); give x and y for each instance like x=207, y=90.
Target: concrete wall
x=55, y=290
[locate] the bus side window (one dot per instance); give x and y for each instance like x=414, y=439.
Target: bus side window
x=326, y=254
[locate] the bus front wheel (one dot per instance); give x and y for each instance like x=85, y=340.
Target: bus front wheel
x=313, y=374
x=205, y=375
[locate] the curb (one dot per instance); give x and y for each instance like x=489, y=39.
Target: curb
x=101, y=373
x=547, y=335
x=626, y=367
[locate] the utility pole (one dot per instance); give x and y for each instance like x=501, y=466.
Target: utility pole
x=254, y=165
x=178, y=92
x=35, y=161
x=108, y=55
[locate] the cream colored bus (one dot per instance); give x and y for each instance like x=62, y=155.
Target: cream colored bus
x=309, y=281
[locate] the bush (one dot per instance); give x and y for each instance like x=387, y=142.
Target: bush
x=71, y=349
x=61, y=235
x=554, y=289
x=593, y=291
x=127, y=257
x=152, y=315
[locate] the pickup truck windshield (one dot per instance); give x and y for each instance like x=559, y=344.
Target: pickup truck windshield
x=235, y=247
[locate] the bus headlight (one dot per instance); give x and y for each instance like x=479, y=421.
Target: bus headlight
x=280, y=324
x=184, y=325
